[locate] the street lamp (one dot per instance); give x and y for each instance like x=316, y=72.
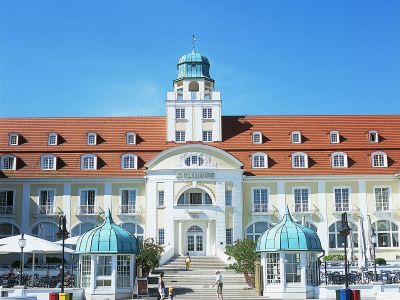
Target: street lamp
x=21, y=244
x=345, y=231
x=373, y=240
x=62, y=234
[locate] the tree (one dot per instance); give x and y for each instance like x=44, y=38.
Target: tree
x=149, y=255
x=244, y=252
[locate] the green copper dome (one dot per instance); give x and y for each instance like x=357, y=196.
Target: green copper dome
x=287, y=235
x=193, y=65
x=108, y=238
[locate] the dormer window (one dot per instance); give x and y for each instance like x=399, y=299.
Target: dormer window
x=8, y=162
x=131, y=138
x=89, y=162
x=48, y=162
x=91, y=138
x=13, y=139
x=299, y=160
x=257, y=137
x=259, y=160
x=373, y=136
x=296, y=137
x=339, y=160
x=334, y=137
x=52, y=139
x=129, y=161
x=180, y=113
x=379, y=160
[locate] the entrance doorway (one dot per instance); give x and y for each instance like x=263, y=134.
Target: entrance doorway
x=195, y=241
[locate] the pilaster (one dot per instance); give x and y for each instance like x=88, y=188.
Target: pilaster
x=281, y=198
x=169, y=210
x=151, y=211
x=322, y=206
x=237, y=201
x=66, y=204
x=220, y=219
x=107, y=196
x=362, y=198
x=25, y=207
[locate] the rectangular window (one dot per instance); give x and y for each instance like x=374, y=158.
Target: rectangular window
x=179, y=94
x=89, y=163
x=292, y=267
x=104, y=266
x=46, y=202
x=6, y=202
x=341, y=199
x=8, y=163
x=161, y=237
x=334, y=137
x=87, y=201
x=195, y=199
x=382, y=199
x=13, y=139
x=91, y=139
x=180, y=136
x=296, y=137
x=131, y=138
x=273, y=272
x=123, y=271
x=379, y=160
x=160, y=198
x=207, y=136
x=129, y=162
x=373, y=136
x=229, y=236
x=86, y=271
x=207, y=113
x=257, y=138
x=260, y=200
x=128, y=201
x=258, y=161
x=228, y=198
x=52, y=139
x=48, y=163
x=180, y=113
x=301, y=200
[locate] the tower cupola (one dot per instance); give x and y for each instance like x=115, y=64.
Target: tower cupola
x=193, y=65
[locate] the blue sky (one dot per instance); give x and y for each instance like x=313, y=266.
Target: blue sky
x=115, y=58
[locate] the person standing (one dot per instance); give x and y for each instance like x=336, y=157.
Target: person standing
x=219, y=284
x=188, y=261
x=161, y=286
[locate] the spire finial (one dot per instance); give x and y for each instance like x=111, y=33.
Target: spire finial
x=193, y=43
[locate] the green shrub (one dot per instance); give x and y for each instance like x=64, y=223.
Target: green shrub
x=244, y=252
x=334, y=256
x=149, y=256
x=380, y=261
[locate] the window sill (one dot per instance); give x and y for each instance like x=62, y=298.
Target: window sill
x=181, y=120
x=208, y=120
x=263, y=213
x=161, y=207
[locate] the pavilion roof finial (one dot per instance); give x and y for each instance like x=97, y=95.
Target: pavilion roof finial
x=193, y=43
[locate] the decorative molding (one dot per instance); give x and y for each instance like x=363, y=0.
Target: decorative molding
x=205, y=157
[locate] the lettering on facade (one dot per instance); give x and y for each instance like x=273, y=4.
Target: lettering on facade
x=194, y=175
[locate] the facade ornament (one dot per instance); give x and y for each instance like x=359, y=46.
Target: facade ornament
x=195, y=160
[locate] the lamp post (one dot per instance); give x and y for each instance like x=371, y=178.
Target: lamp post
x=62, y=234
x=345, y=231
x=373, y=240
x=21, y=244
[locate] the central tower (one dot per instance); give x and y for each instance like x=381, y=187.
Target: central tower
x=194, y=107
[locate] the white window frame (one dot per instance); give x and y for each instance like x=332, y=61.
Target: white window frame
x=89, y=135
x=161, y=236
x=131, y=138
x=229, y=236
x=207, y=136
x=308, y=200
x=95, y=210
x=54, y=202
x=161, y=192
x=385, y=161
x=14, y=166
x=389, y=198
x=11, y=136
x=180, y=113
x=256, y=137
x=120, y=199
x=336, y=134
x=373, y=133
x=13, y=200
x=83, y=157
x=48, y=156
x=345, y=161
x=257, y=165
x=305, y=160
x=178, y=136
x=341, y=187
x=207, y=113
x=230, y=202
x=292, y=137
x=268, y=208
x=129, y=155
x=50, y=137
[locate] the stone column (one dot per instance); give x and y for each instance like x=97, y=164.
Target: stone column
x=180, y=238
x=323, y=224
x=208, y=248
x=151, y=209
x=220, y=219
x=169, y=212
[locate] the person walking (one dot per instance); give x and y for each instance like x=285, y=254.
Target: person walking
x=219, y=284
x=161, y=286
x=188, y=261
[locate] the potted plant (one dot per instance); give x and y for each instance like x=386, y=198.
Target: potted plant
x=244, y=253
x=149, y=256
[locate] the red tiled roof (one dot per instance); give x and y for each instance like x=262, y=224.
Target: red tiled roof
x=237, y=130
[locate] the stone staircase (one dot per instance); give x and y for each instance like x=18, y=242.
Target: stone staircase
x=197, y=282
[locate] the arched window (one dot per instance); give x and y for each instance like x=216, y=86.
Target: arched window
x=334, y=137
x=259, y=160
x=379, y=160
x=255, y=230
x=48, y=162
x=8, y=162
x=336, y=240
x=299, y=160
x=387, y=233
x=195, y=229
x=82, y=228
x=257, y=137
x=89, y=162
x=194, y=197
x=130, y=138
x=135, y=229
x=8, y=229
x=46, y=230
x=129, y=161
x=339, y=160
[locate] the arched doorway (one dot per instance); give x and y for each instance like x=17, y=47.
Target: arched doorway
x=195, y=241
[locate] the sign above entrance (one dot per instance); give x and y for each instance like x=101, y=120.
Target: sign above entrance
x=194, y=175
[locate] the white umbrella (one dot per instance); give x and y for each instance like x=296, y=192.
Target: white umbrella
x=350, y=247
x=362, y=248
x=70, y=241
x=370, y=245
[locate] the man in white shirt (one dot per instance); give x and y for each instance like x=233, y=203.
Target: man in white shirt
x=218, y=282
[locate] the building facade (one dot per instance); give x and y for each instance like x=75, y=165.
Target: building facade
x=196, y=180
